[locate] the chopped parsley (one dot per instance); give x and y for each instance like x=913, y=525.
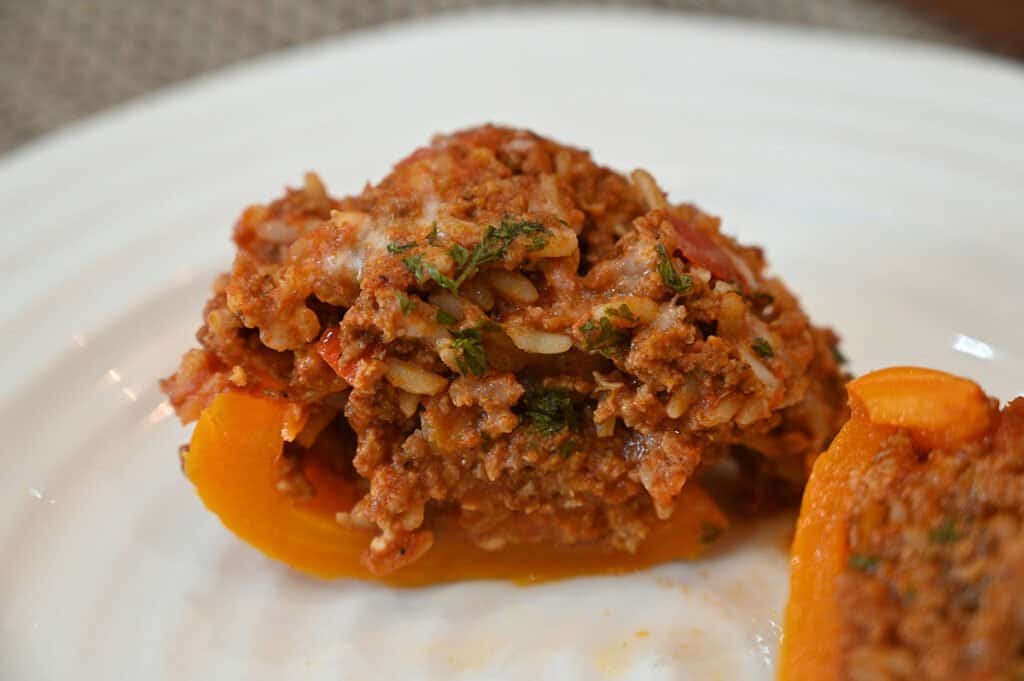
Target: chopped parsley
x=863, y=563
x=680, y=283
x=622, y=312
x=838, y=354
x=404, y=303
x=459, y=254
x=762, y=347
x=421, y=270
x=945, y=533
x=709, y=532
x=604, y=337
x=510, y=228
x=472, y=358
x=537, y=241
x=397, y=248
x=491, y=247
x=445, y=318
x=549, y=410
x=441, y=279
x=432, y=237
x=415, y=266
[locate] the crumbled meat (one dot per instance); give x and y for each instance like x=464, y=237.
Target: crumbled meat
x=935, y=586
x=519, y=337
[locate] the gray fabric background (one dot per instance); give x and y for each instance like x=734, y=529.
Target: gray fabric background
x=64, y=59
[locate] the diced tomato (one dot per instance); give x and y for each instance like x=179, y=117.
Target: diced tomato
x=700, y=249
x=329, y=348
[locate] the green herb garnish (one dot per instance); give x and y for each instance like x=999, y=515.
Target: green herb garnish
x=762, y=347
x=863, y=563
x=945, y=533
x=404, y=303
x=680, y=283
x=510, y=228
x=622, y=312
x=441, y=279
x=494, y=244
x=432, y=237
x=421, y=270
x=549, y=410
x=472, y=358
x=537, y=242
x=459, y=254
x=397, y=248
x=491, y=247
x=445, y=318
x=415, y=266
x=838, y=354
x=604, y=337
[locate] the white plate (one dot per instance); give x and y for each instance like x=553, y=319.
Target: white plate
x=885, y=179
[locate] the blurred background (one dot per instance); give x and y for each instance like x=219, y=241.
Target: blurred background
x=61, y=60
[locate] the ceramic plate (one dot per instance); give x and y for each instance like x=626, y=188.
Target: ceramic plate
x=884, y=179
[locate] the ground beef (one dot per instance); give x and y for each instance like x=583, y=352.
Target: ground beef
x=935, y=585
x=515, y=335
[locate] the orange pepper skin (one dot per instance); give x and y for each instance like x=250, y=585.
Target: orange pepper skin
x=938, y=410
x=233, y=461
x=812, y=623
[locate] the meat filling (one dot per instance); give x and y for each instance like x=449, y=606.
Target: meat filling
x=516, y=336
x=933, y=588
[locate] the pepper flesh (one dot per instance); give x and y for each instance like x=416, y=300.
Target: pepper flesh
x=234, y=463
x=938, y=410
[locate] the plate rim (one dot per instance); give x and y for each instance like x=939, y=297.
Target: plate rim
x=839, y=41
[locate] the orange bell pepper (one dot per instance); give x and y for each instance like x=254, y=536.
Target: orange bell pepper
x=937, y=410
x=233, y=461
